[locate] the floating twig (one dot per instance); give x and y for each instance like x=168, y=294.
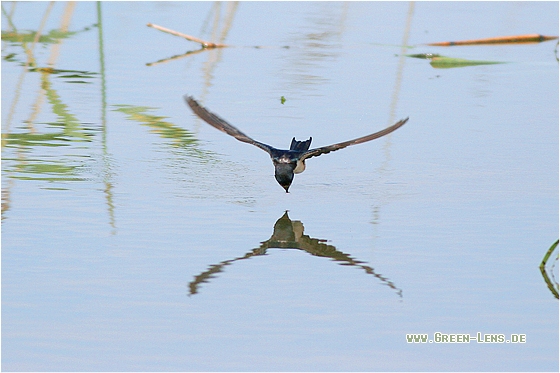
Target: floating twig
x=530, y=38
x=205, y=44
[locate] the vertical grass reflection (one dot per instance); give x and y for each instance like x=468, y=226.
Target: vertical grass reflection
x=158, y=125
x=547, y=268
x=29, y=149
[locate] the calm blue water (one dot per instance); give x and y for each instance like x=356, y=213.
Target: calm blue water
x=137, y=237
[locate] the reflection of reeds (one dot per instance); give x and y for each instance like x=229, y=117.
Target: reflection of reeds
x=6, y=124
x=394, y=102
x=6, y=196
x=176, y=57
x=552, y=284
x=29, y=62
x=32, y=168
x=400, y=68
x=107, y=174
x=180, y=137
x=215, y=58
x=9, y=16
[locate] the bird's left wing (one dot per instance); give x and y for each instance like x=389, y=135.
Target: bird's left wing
x=331, y=148
x=218, y=123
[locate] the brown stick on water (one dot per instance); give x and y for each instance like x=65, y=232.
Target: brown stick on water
x=204, y=43
x=530, y=38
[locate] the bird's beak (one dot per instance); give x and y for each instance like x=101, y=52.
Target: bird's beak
x=286, y=187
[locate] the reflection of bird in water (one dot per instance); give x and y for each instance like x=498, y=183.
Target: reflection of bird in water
x=286, y=162
x=288, y=234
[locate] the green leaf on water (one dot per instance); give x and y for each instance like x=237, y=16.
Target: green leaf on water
x=442, y=62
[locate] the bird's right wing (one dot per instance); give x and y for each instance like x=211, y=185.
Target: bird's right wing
x=341, y=145
x=218, y=123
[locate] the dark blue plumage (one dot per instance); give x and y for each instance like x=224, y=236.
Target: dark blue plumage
x=286, y=162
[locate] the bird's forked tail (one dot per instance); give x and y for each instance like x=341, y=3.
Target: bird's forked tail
x=300, y=145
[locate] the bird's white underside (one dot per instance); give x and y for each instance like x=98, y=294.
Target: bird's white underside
x=300, y=167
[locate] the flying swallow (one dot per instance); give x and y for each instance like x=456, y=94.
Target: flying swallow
x=286, y=162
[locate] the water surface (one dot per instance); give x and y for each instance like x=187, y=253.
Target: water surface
x=137, y=237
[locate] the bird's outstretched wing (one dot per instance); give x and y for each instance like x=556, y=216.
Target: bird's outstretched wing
x=217, y=122
x=331, y=148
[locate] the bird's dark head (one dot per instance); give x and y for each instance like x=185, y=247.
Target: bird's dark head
x=284, y=173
